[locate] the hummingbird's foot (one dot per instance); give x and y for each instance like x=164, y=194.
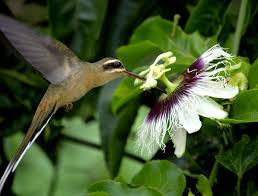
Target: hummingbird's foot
x=68, y=107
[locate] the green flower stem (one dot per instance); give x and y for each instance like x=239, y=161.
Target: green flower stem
x=175, y=24
x=239, y=178
x=170, y=86
x=240, y=25
x=187, y=173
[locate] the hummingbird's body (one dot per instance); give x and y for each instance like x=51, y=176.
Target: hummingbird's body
x=69, y=77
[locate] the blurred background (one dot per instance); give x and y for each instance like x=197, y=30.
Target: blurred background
x=90, y=142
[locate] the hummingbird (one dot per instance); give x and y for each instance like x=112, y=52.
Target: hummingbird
x=70, y=78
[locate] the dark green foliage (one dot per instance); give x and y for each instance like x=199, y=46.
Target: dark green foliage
x=91, y=149
x=207, y=17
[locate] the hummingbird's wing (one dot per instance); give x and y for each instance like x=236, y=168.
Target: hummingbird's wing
x=50, y=57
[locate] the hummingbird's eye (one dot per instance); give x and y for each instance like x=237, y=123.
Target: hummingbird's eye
x=113, y=64
x=117, y=64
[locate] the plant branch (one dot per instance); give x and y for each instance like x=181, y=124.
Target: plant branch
x=238, y=188
x=239, y=27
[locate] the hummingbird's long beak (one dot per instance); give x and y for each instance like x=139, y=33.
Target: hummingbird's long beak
x=134, y=75
x=143, y=79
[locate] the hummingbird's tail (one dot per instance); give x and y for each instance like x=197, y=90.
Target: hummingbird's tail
x=44, y=112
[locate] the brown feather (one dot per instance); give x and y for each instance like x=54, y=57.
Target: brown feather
x=44, y=112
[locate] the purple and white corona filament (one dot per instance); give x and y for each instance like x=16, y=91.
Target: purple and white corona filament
x=178, y=113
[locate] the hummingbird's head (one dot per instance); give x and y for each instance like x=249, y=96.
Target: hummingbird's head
x=108, y=69
x=115, y=68
x=111, y=65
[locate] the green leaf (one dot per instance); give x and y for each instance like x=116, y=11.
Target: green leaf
x=99, y=193
x=186, y=47
x=78, y=167
x=117, y=189
x=245, y=106
x=242, y=157
x=252, y=77
x=119, y=99
x=203, y=186
x=190, y=193
x=76, y=127
x=163, y=176
x=128, y=169
x=138, y=54
x=79, y=20
x=34, y=164
x=206, y=17
x=77, y=163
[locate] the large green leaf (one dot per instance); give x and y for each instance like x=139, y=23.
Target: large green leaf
x=139, y=54
x=77, y=128
x=81, y=20
x=186, y=47
x=206, y=17
x=77, y=163
x=99, y=193
x=163, y=176
x=203, y=186
x=242, y=157
x=34, y=164
x=118, y=189
x=245, y=106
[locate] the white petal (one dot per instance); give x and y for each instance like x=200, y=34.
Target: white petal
x=215, y=53
x=179, y=140
x=151, y=135
x=215, y=89
x=210, y=109
x=189, y=118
